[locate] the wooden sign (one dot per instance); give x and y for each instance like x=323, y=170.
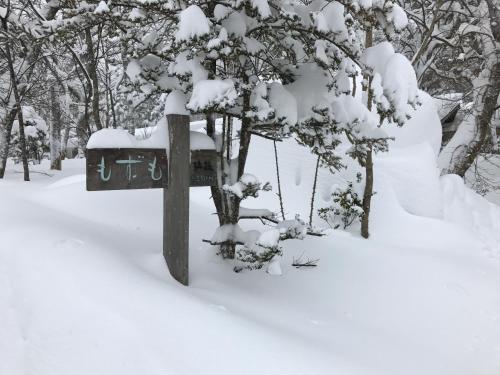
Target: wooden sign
x=137, y=168
x=126, y=168
x=203, y=168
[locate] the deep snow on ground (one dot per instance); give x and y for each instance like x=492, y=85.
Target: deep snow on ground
x=84, y=288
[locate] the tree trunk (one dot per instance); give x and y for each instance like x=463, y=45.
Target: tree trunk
x=92, y=70
x=280, y=196
x=368, y=191
x=367, y=195
x=487, y=89
x=17, y=97
x=314, y=192
x=5, y=136
x=55, y=131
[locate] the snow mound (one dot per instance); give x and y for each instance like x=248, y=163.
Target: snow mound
x=423, y=126
x=471, y=212
x=414, y=177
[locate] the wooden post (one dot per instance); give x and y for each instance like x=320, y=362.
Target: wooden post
x=176, y=199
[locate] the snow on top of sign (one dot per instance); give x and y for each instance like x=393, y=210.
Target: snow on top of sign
x=200, y=141
x=111, y=138
x=150, y=137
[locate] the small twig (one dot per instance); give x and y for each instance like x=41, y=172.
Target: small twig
x=46, y=174
x=258, y=134
x=223, y=242
x=309, y=231
x=298, y=263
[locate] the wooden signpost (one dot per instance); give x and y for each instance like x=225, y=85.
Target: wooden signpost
x=142, y=168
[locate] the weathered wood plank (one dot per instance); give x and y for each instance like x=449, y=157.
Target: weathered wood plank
x=126, y=168
x=176, y=200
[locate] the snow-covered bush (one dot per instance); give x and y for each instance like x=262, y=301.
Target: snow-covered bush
x=35, y=131
x=346, y=207
x=262, y=248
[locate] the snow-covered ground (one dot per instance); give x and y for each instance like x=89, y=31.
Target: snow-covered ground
x=84, y=288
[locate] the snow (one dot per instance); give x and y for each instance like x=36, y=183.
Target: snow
x=423, y=126
x=400, y=83
x=233, y=232
x=133, y=70
x=331, y=19
x=200, y=141
x=221, y=12
x=310, y=91
x=394, y=77
x=284, y=104
x=154, y=137
x=274, y=267
x=31, y=116
x=376, y=57
x=235, y=24
x=111, y=138
x=192, y=24
x=255, y=212
x=212, y=92
x=397, y=16
x=30, y=131
x=136, y=14
x=102, y=7
x=269, y=238
x=239, y=187
x=465, y=134
x=88, y=292
x=414, y=176
x=176, y=103
x=262, y=7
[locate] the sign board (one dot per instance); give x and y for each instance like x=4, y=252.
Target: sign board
x=126, y=168
x=203, y=168
x=137, y=168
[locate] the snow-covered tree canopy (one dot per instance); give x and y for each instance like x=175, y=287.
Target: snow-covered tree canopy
x=276, y=62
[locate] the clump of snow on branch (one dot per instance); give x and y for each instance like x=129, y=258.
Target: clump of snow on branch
x=212, y=93
x=192, y=24
x=102, y=7
x=394, y=85
x=247, y=186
